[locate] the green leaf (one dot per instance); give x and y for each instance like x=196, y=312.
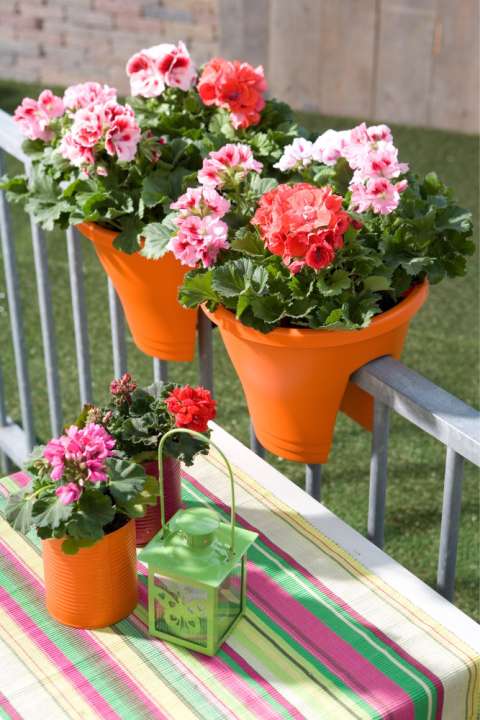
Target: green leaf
x=333, y=284
x=247, y=240
x=334, y=317
x=157, y=237
x=270, y=308
x=230, y=279
x=156, y=188
x=260, y=185
x=50, y=512
x=454, y=218
x=94, y=510
x=377, y=283
x=18, y=511
x=72, y=545
x=197, y=288
x=127, y=480
x=127, y=239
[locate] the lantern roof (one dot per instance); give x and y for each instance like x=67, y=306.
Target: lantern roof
x=195, y=546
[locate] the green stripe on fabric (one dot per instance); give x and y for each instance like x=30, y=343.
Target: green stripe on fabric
x=4, y=715
x=94, y=670
x=312, y=664
x=159, y=663
x=406, y=676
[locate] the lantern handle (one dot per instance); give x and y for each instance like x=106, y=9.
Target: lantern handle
x=198, y=436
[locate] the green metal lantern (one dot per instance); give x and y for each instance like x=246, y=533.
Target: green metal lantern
x=197, y=571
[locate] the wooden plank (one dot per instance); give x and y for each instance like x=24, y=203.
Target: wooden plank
x=404, y=61
x=347, y=57
x=454, y=100
x=295, y=52
x=244, y=30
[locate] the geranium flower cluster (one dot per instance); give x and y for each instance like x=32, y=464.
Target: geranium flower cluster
x=191, y=407
x=303, y=224
x=235, y=86
x=372, y=156
x=201, y=231
x=123, y=388
x=34, y=117
x=228, y=166
x=99, y=126
x=78, y=457
x=152, y=70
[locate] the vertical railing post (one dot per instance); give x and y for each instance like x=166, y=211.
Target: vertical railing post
x=117, y=326
x=205, y=351
x=47, y=328
x=16, y=322
x=255, y=443
x=313, y=481
x=5, y=463
x=452, y=503
x=378, y=474
x=160, y=370
x=79, y=315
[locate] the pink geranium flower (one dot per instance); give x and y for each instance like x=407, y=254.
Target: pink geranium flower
x=34, y=116
x=297, y=155
x=87, y=128
x=232, y=160
x=202, y=201
x=69, y=493
x=88, y=94
x=123, y=136
x=77, y=154
x=82, y=451
x=199, y=240
x=160, y=66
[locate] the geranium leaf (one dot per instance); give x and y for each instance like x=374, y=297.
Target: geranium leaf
x=377, y=283
x=197, y=288
x=50, y=512
x=94, y=510
x=157, y=237
x=127, y=239
x=127, y=480
x=247, y=240
x=18, y=511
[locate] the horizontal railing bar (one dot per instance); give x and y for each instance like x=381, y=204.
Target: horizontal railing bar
x=13, y=442
x=424, y=404
x=11, y=138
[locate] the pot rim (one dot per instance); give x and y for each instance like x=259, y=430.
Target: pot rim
x=308, y=337
x=96, y=232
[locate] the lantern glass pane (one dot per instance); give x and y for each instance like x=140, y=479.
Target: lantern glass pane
x=229, y=600
x=181, y=609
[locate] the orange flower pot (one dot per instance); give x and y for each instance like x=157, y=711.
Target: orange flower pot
x=148, y=525
x=97, y=586
x=148, y=291
x=295, y=380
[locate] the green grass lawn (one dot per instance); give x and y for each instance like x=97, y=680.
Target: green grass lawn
x=442, y=345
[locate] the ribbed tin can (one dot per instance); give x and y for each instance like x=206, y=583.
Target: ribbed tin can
x=97, y=586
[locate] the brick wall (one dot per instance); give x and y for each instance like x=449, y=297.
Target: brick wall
x=68, y=41
x=409, y=61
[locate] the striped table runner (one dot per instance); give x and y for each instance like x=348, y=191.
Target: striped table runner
x=322, y=637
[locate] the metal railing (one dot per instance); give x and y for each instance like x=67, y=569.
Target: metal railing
x=392, y=385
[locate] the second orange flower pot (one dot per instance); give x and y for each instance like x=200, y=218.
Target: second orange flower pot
x=148, y=291
x=295, y=380
x=95, y=587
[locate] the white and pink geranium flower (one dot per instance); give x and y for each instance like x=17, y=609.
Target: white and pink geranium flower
x=232, y=160
x=88, y=94
x=370, y=153
x=152, y=70
x=81, y=451
x=34, y=116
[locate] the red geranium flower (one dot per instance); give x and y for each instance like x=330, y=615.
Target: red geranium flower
x=192, y=407
x=302, y=224
x=236, y=86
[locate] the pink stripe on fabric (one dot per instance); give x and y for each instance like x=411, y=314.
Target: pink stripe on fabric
x=20, y=478
x=40, y=639
x=436, y=681
x=239, y=687
x=6, y=705
x=325, y=645
x=95, y=647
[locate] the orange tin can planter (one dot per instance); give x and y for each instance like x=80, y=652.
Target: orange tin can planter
x=97, y=586
x=148, y=290
x=295, y=380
